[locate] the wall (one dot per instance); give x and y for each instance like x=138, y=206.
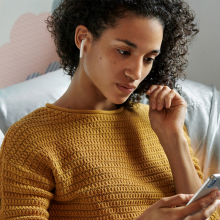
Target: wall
x=204, y=57
x=11, y=10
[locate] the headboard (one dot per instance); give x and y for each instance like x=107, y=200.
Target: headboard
x=26, y=47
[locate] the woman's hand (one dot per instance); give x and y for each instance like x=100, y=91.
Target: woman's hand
x=167, y=110
x=164, y=208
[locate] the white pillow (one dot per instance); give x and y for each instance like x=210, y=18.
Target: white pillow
x=203, y=124
x=1, y=138
x=20, y=99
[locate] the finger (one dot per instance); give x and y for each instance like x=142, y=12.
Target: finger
x=151, y=89
x=153, y=97
x=174, y=99
x=161, y=97
x=201, y=203
x=168, y=99
x=176, y=200
x=207, y=212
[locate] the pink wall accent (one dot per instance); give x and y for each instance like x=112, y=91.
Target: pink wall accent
x=31, y=49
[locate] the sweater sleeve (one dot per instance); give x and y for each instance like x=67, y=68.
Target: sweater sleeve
x=215, y=215
x=26, y=182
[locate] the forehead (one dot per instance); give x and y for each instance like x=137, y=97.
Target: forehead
x=140, y=31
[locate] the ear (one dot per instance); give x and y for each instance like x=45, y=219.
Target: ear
x=82, y=33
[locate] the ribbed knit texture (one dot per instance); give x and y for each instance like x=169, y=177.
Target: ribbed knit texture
x=64, y=164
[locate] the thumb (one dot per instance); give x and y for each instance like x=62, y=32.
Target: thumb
x=177, y=200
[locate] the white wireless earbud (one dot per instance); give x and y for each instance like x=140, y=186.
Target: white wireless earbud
x=82, y=48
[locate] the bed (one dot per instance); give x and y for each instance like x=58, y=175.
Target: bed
x=31, y=77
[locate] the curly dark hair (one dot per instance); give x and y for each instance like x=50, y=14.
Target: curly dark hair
x=98, y=15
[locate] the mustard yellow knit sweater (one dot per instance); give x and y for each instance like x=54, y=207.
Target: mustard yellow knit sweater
x=58, y=164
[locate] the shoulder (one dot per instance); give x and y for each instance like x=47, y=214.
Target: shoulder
x=34, y=133
x=21, y=135
x=42, y=118
x=30, y=123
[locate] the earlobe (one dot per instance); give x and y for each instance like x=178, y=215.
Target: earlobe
x=82, y=48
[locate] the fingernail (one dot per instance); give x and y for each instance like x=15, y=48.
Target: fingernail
x=218, y=202
x=217, y=194
x=149, y=90
x=190, y=196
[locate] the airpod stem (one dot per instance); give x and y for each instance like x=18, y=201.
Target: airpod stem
x=82, y=47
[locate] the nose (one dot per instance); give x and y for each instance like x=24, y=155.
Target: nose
x=134, y=69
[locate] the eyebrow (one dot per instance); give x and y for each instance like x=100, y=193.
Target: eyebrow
x=135, y=46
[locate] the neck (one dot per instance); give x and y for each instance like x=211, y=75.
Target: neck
x=82, y=96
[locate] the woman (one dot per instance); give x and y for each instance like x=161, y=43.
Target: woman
x=96, y=153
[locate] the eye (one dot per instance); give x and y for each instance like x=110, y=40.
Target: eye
x=149, y=60
x=123, y=52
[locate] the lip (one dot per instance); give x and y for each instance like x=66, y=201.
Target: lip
x=126, y=88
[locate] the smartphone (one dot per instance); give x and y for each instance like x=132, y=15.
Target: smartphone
x=212, y=183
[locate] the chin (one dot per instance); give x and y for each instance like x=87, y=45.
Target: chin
x=119, y=101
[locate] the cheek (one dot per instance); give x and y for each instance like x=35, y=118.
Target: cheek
x=146, y=72
x=93, y=63
x=118, y=68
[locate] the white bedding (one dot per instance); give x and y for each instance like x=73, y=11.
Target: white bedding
x=1, y=138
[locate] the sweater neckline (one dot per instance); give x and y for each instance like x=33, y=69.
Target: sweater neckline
x=109, y=112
